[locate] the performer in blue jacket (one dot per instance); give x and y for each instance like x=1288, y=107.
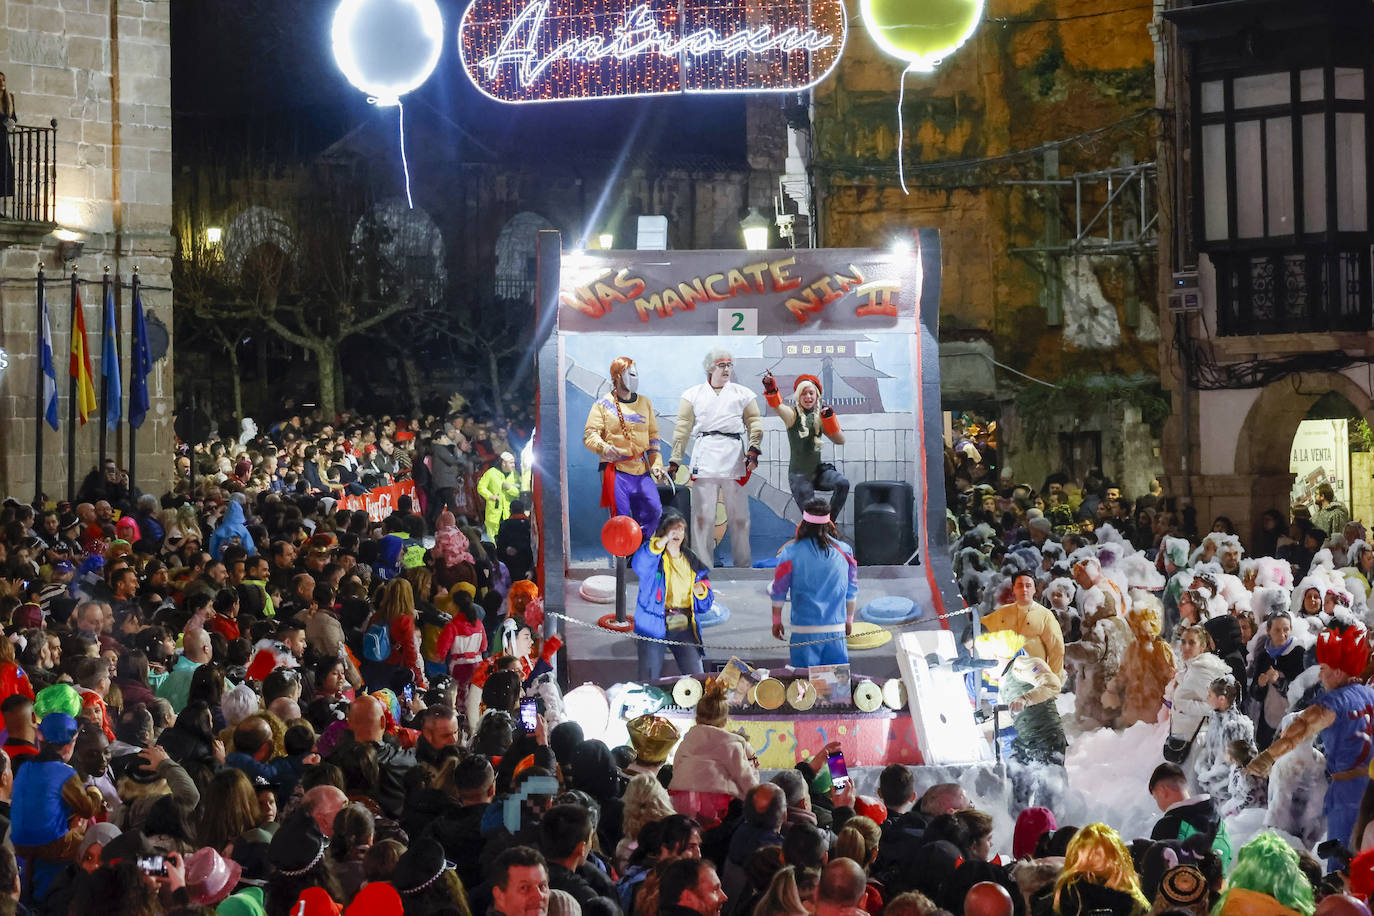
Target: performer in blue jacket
x=819, y=571
x=673, y=588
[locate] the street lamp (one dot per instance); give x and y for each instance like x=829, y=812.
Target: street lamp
x=213, y=234
x=607, y=241
x=755, y=229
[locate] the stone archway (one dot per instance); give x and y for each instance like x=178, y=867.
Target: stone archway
x=1262, y=450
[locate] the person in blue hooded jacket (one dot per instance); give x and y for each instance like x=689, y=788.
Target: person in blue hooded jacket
x=230, y=527
x=674, y=587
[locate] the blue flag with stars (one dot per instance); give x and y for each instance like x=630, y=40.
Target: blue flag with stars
x=109, y=364
x=141, y=366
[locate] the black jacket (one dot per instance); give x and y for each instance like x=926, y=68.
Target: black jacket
x=1082, y=897
x=580, y=885
x=1200, y=814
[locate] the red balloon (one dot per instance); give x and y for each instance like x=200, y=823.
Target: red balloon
x=621, y=535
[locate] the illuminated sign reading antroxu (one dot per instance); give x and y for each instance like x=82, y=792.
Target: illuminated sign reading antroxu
x=548, y=50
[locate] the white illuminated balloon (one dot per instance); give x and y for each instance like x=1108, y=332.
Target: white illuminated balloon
x=387, y=47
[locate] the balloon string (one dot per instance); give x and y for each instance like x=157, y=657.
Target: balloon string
x=901, y=97
x=405, y=166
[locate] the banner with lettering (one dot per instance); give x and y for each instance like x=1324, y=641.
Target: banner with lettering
x=379, y=502
x=739, y=292
x=1320, y=454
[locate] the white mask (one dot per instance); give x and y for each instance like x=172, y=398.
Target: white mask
x=630, y=379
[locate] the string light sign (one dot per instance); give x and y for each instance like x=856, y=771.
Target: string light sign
x=549, y=50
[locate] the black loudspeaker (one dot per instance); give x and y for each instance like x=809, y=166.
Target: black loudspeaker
x=883, y=531
x=681, y=500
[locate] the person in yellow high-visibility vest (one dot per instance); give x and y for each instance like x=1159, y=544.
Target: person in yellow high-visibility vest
x=498, y=486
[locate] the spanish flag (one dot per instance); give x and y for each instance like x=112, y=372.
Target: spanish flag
x=79, y=366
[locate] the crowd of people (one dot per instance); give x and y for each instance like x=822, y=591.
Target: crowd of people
x=1103, y=613
x=239, y=697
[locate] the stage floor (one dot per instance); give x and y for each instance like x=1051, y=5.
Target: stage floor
x=602, y=657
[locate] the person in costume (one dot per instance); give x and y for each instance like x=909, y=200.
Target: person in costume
x=50, y=805
x=720, y=420
x=806, y=425
x=622, y=430
x=1034, y=621
x=820, y=574
x=1343, y=714
x=498, y=487
x=674, y=587
x=1030, y=687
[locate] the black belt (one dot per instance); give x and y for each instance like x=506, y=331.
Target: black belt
x=716, y=432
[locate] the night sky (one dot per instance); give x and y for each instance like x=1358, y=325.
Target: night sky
x=258, y=77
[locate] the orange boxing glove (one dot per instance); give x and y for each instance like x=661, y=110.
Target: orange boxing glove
x=829, y=422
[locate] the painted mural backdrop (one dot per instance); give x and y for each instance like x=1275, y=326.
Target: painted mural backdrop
x=847, y=317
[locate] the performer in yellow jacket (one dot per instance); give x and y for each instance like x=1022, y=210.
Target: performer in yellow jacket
x=623, y=431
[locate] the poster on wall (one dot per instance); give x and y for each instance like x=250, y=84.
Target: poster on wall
x=1321, y=454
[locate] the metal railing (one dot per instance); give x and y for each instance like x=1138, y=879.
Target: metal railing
x=1293, y=289
x=28, y=174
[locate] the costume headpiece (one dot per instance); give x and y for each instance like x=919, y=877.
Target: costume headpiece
x=806, y=377
x=1343, y=648
x=618, y=367
x=816, y=519
x=652, y=737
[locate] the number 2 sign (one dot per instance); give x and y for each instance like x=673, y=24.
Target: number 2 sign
x=737, y=321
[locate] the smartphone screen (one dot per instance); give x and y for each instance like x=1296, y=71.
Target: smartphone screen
x=528, y=714
x=408, y=692
x=153, y=865
x=839, y=773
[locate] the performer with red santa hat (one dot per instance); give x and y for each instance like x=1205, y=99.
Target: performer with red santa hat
x=807, y=424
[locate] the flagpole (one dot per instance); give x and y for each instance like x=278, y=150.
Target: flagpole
x=39, y=400
x=71, y=409
x=133, y=430
x=104, y=377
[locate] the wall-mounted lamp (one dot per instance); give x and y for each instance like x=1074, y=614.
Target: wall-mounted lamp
x=213, y=234
x=70, y=245
x=607, y=241
x=755, y=230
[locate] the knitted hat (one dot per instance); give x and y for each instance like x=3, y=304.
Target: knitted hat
x=1183, y=885
x=103, y=834
x=808, y=378
x=28, y=616
x=1030, y=825
x=562, y=903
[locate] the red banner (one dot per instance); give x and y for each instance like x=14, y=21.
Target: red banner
x=381, y=501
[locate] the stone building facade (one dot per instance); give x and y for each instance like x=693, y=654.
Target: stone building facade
x=101, y=70
x=1044, y=90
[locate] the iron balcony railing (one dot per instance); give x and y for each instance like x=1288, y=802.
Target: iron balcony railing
x=1293, y=289
x=28, y=174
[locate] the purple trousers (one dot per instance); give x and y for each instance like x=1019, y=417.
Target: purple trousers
x=636, y=495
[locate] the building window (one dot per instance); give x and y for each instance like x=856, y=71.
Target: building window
x=1284, y=204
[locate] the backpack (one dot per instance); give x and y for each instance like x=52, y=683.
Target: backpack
x=377, y=643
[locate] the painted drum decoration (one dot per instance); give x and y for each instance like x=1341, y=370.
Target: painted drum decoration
x=686, y=692
x=769, y=693
x=553, y=50
x=894, y=693
x=801, y=694
x=868, y=696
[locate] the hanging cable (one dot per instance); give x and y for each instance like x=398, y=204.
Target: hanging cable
x=901, y=98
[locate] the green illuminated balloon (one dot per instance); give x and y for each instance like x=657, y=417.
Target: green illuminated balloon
x=921, y=32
